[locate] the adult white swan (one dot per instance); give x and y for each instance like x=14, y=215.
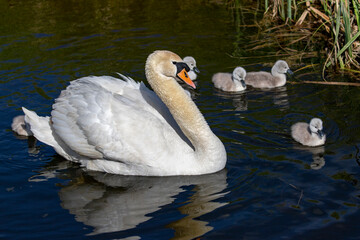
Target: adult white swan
x=122, y=127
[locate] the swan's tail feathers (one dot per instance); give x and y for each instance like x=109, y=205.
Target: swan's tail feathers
x=42, y=131
x=40, y=127
x=20, y=127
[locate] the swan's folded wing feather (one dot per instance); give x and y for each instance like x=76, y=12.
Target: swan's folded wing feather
x=109, y=118
x=65, y=116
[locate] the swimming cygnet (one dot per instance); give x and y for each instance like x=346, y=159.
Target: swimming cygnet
x=309, y=134
x=190, y=61
x=20, y=127
x=276, y=78
x=230, y=82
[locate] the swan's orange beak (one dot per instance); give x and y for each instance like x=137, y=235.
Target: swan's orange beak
x=183, y=75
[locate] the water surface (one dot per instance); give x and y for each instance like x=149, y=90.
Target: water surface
x=271, y=188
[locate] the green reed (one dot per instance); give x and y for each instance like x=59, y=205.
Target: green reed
x=289, y=11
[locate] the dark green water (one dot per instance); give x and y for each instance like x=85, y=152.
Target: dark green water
x=272, y=188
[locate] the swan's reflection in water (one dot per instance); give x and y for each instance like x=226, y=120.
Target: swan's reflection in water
x=111, y=203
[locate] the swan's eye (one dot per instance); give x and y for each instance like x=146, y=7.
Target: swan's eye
x=174, y=62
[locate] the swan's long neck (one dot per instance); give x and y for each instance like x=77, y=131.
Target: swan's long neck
x=183, y=109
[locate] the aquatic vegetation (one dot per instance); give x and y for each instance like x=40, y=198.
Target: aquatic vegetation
x=331, y=24
x=339, y=18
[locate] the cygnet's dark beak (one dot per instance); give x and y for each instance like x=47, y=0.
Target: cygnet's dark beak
x=320, y=133
x=289, y=72
x=196, y=70
x=243, y=83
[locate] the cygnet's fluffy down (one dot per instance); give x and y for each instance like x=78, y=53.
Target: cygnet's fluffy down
x=309, y=134
x=190, y=61
x=20, y=127
x=230, y=82
x=276, y=78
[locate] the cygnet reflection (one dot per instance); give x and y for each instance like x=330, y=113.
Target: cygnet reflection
x=318, y=160
x=281, y=98
x=239, y=99
x=116, y=203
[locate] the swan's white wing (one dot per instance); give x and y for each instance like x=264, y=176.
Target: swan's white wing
x=105, y=117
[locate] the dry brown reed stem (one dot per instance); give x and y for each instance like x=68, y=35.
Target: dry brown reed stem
x=320, y=14
x=299, y=39
x=303, y=15
x=328, y=83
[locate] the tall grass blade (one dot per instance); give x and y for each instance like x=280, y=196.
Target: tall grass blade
x=356, y=6
x=326, y=8
x=348, y=44
x=289, y=9
x=337, y=26
x=337, y=29
x=295, y=9
x=282, y=9
x=346, y=17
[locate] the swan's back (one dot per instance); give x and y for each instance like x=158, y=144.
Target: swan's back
x=276, y=78
x=223, y=81
x=260, y=79
x=300, y=132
